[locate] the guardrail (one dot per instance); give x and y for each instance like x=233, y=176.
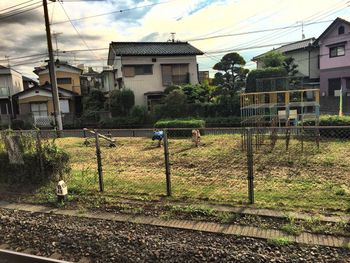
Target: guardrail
x=7, y=256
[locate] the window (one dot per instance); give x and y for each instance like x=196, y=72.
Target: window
x=39, y=109
x=175, y=74
x=133, y=70
x=64, y=80
x=341, y=30
x=4, y=91
x=336, y=51
x=333, y=85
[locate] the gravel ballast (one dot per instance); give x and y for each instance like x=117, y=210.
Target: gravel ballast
x=108, y=241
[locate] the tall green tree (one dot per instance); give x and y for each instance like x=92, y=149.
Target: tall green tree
x=94, y=101
x=273, y=59
x=231, y=65
x=121, y=102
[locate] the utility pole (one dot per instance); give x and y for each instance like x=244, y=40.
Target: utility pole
x=55, y=98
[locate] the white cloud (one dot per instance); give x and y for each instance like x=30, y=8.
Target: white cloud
x=189, y=19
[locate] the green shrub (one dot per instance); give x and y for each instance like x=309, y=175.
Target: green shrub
x=332, y=120
x=55, y=163
x=251, y=84
x=180, y=123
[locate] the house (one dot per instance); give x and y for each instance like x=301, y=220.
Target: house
x=90, y=80
x=29, y=83
x=326, y=62
x=305, y=55
x=203, y=77
x=147, y=68
x=334, y=45
x=108, y=80
x=10, y=84
x=37, y=101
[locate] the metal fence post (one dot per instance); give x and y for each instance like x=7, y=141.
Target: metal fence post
x=167, y=163
x=99, y=161
x=250, y=165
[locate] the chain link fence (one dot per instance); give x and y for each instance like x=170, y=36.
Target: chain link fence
x=301, y=167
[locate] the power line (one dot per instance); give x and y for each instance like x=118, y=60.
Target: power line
x=19, y=8
x=257, y=31
x=18, y=13
x=76, y=30
x=113, y=12
x=10, y=7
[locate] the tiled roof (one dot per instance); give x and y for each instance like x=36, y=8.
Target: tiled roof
x=291, y=47
x=154, y=49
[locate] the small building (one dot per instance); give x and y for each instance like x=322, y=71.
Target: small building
x=305, y=55
x=10, y=83
x=37, y=102
x=147, y=68
x=90, y=80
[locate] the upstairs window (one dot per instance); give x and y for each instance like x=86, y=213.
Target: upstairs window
x=341, y=30
x=337, y=51
x=133, y=70
x=64, y=80
x=175, y=74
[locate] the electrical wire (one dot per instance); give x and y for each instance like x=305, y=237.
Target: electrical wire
x=109, y=13
x=76, y=30
x=10, y=7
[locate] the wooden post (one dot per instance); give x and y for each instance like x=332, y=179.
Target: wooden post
x=167, y=163
x=99, y=161
x=40, y=152
x=250, y=166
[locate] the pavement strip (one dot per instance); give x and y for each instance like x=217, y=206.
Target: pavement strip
x=227, y=229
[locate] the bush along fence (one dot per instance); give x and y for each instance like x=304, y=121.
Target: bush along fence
x=26, y=159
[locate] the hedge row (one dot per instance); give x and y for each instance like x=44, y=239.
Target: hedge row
x=180, y=123
x=330, y=120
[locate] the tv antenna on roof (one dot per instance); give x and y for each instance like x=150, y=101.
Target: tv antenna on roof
x=172, y=36
x=302, y=29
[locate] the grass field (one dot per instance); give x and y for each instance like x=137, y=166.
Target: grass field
x=216, y=171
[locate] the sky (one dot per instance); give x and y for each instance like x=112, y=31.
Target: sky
x=94, y=24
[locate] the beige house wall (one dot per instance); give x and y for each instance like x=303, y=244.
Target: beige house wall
x=24, y=104
x=141, y=84
x=74, y=86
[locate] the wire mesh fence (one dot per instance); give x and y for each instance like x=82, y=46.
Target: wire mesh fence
x=299, y=167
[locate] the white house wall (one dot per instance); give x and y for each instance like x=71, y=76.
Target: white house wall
x=141, y=84
x=17, y=82
x=314, y=64
x=11, y=79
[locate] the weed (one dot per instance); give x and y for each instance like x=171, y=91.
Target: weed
x=280, y=241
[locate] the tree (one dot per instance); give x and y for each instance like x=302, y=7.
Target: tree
x=273, y=59
x=94, y=101
x=174, y=106
x=290, y=67
x=121, y=102
x=232, y=66
x=197, y=93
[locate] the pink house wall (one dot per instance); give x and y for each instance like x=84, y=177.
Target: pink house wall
x=332, y=38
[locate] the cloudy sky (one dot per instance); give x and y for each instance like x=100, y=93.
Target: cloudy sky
x=251, y=25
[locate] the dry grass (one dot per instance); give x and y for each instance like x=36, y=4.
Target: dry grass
x=216, y=171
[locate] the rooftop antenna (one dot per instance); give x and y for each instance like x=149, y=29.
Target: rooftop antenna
x=8, y=61
x=55, y=36
x=172, y=36
x=302, y=29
